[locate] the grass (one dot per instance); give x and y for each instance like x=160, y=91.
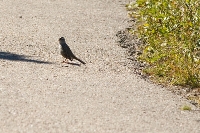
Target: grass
x=170, y=31
x=185, y=107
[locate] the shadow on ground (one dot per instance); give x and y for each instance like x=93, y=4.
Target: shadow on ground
x=16, y=57
x=75, y=64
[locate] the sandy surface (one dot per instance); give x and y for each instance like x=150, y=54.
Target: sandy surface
x=39, y=94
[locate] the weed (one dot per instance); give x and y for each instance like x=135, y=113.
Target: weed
x=185, y=107
x=170, y=31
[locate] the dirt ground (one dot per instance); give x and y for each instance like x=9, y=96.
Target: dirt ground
x=40, y=94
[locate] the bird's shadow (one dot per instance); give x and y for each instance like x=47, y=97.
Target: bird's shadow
x=74, y=64
x=16, y=57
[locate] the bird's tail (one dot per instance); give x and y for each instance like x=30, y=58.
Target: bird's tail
x=80, y=60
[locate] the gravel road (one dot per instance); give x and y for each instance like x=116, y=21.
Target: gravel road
x=39, y=94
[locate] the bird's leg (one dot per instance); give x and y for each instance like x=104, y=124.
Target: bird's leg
x=65, y=60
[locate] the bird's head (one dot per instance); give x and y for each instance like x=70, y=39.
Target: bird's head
x=62, y=40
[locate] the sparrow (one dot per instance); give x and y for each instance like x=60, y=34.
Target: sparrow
x=66, y=51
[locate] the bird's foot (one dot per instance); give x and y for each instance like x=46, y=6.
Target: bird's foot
x=64, y=61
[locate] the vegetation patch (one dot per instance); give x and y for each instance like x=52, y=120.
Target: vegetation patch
x=185, y=107
x=170, y=35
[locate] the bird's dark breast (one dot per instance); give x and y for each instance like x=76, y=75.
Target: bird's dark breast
x=65, y=54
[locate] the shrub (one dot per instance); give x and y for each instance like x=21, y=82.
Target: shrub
x=170, y=30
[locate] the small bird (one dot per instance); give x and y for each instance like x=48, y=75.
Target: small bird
x=66, y=51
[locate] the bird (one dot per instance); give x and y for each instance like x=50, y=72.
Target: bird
x=66, y=51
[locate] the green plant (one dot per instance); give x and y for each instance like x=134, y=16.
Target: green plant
x=186, y=107
x=171, y=33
